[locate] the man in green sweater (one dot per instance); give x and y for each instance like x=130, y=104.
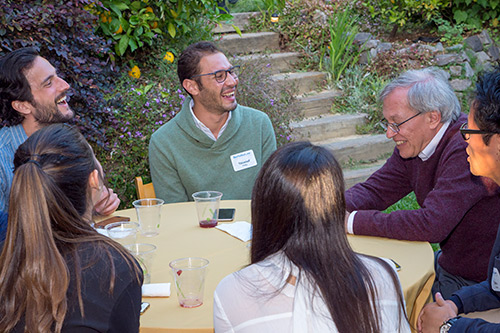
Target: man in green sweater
x=212, y=143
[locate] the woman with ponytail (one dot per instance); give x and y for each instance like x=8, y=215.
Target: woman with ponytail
x=304, y=276
x=57, y=274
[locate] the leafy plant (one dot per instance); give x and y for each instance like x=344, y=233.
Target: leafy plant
x=360, y=94
x=476, y=13
x=451, y=33
x=400, y=12
x=342, y=53
x=130, y=24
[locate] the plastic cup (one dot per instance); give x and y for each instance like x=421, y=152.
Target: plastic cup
x=144, y=254
x=149, y=215
x=124, y=232
x=207, y=205
x=189, y=276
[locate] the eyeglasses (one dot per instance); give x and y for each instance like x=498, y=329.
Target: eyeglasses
x=395, y=127
x=466, y=132
x=221, y=75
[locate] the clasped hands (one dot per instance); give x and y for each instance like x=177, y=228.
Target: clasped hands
x=433, y=315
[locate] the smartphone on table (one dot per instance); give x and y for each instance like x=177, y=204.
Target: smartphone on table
x=226, y=214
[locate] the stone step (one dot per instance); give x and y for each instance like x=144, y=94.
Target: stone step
x=304, y=82
x=327, y=127
x=249, y=42
x=316, y=104
x=240, y=20
x=276, y=62
x=359, y=147
x=358, y=175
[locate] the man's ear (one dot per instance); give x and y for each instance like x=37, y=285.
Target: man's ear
x=191, y=86
x=23, y=108
x=433, y=118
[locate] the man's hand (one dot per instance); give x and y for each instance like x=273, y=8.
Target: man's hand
x=108, y=202
x=433, y=315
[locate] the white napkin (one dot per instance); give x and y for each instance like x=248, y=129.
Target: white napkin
x=156, y=290
x=240, y=229
x=102, y=231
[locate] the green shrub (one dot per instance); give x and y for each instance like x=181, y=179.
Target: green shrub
x=140, y=107
x=132, y=24
x=399, y=13
x=476, y=13
x=342, y=54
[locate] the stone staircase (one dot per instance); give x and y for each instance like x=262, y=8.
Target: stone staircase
x=360, y=155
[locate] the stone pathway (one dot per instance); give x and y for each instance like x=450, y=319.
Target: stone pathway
x=336, y=132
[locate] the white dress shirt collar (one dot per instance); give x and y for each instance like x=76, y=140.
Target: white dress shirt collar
x=204, y=128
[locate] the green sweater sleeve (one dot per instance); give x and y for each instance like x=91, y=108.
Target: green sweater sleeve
x=166, y=180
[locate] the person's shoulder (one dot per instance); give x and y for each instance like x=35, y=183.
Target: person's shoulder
x=165, y=130
x=6, y=135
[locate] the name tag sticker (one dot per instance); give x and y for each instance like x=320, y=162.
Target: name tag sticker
x=243, y=160
x=495, y=280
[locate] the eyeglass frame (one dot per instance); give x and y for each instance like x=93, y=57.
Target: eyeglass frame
x=234, y=75
x=395, y=127
x=465, y=131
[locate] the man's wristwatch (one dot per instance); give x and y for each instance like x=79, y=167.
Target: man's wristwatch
x=447, y=324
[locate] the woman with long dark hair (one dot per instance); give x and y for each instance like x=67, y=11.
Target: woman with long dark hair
x=56, y=272
x=304, y=276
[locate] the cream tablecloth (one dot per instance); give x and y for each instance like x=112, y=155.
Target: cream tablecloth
x=180, y=236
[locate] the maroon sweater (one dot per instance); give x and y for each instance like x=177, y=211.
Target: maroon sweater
x=459, y=211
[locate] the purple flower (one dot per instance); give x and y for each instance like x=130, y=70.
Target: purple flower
x=129, y=134
x=164, y=115
x=147, y=104
x=157, y=100
x=288, y=138
x=182, y=96
x=121, y=136
x=160, y=122
x=272, y=102
x=139, y=93
x=268, y=65
x=179, y=91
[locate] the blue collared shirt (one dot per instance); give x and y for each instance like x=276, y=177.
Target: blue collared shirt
x=10, y=139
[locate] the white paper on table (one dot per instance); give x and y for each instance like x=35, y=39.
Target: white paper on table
x=156, y=290
x=239, y=229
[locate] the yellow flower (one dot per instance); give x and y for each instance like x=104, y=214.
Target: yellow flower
x=169, y=56
x=135, y=72
x=149, y=10
x=154, y=25
x=120, y=30
x=104, y=18
x=494, y=22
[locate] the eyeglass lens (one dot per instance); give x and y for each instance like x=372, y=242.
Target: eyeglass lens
x=220, y=76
